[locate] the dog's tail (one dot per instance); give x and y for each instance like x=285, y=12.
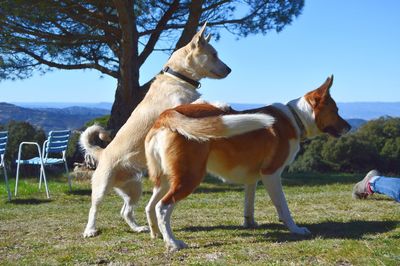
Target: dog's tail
x=221, y=126
x=90, y=138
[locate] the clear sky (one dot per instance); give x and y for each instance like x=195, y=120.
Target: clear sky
x=356, y=40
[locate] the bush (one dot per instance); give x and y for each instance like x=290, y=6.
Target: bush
x=102, y=121
x=17, y=133
x=375, y=145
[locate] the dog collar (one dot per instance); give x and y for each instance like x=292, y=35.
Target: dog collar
x=299, y=123
x=192, y=82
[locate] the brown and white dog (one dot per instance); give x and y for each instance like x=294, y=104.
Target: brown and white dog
x=189, y=140
x=121, y=163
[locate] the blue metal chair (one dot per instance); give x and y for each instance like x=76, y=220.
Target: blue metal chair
x=57, y=142
x=3, y=144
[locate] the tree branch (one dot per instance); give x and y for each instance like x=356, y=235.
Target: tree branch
x=157, y=32
x=215, y=5
x=68, y=67
x=195, y=11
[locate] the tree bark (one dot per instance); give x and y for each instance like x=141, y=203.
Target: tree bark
x=127, y=95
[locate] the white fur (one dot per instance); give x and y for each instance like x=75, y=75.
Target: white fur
x=85, y=138
x=196, y=129
x=242, y=123
x=249, y=197
x=121, y=163
x=306, y=114
x=158, y=193
x=221, y=105
x=163, y=213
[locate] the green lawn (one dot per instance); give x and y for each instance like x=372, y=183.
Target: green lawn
x=34, y=230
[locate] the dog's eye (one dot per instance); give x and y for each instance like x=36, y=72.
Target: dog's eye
x=215, y=55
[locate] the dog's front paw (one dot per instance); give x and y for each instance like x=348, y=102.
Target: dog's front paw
x=300, y=231
x=141, y=229
x=90, y=233
x=176, y=245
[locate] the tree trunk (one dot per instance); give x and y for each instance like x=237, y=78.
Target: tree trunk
x=126, y=99
x=127, y=95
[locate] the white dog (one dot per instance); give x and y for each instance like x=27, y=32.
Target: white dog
x=121, y=163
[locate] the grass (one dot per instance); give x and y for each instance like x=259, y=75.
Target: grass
x=34, y=230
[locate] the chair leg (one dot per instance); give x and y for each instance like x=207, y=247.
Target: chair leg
x=16, y=178
x=40, y=178
x=68, y=176
x=7, y=185
x=45, y=182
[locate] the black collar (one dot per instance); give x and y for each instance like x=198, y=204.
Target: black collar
x=299, y=123
x=192, y=82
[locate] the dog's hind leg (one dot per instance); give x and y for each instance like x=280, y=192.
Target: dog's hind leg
x=249, y=195
x=181, y=187
x=100, y=186
x=274, y=188
x=158, y=193
x=130, y=191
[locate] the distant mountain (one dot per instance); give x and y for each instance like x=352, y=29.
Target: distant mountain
x=369, y=110
x=356, y=123
x=356, y=110
x=73, y=117
x=58, y=105
x=52, y=116
x=76, y=110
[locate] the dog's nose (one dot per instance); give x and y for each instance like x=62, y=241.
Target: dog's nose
x=228, y=70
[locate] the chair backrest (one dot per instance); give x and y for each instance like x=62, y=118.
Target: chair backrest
x=57, y=141
x=3, y=141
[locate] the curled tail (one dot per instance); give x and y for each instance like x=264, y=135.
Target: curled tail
x=91, y=139
x=220, y=126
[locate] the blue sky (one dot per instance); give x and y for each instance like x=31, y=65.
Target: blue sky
x=357, y=41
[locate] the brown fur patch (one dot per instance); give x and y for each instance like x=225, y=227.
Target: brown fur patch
x=185, y=172
x=260, y=151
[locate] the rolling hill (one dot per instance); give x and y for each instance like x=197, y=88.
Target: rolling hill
x=52, y=116
x=73, y=117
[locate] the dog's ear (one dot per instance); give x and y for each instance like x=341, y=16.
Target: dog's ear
x=199, y=39
x=208, y=37
x=324, y=89
x=314, y=100
x=314, y=97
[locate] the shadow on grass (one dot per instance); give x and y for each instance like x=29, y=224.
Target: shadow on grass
x=325, y=230
x=212, y=184
x=318, y=179
x=220, y=189
x=79, y=192
x=30, y=201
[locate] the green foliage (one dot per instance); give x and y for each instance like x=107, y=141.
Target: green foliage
x=88, y=34
x=19, y=132
x=74, y=153
x=102, y=121
x=311, y=156
x=375, y=145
